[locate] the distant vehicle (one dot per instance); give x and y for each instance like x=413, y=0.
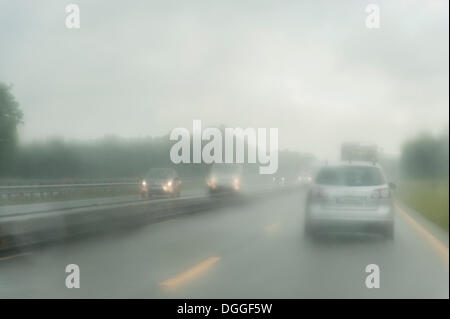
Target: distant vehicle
x=359, y=152
x=279, y=181
x=285, y=179
x=162, y=181
x=350, y=197
x=304, y=179
x=224, y=178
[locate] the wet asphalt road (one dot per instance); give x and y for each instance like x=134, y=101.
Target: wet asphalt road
x=257, y=250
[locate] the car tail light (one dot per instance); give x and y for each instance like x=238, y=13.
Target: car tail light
x=381, y=193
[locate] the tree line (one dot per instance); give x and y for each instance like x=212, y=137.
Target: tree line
x=424, y=156
x=107, y=157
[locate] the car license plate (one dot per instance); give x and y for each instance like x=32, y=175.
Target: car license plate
x=350, y=200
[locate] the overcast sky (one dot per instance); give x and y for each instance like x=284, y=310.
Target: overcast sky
x=312, y=69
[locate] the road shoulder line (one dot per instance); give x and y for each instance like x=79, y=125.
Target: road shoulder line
x=439, y=245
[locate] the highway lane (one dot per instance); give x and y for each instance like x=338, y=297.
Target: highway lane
x=252, y=251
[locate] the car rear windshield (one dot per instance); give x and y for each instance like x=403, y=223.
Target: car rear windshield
x=350, y=176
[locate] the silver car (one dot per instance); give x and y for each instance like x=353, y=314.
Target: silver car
x=350, y=197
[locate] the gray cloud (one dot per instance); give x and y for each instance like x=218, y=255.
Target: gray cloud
x=310, y=68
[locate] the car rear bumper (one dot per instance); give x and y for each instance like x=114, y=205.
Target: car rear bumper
x=350, y=226
x=341, y=220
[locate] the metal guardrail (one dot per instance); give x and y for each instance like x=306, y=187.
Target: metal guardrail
x=25, y=230
x=41, y=191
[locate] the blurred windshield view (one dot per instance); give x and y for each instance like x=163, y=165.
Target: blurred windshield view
x=350, y=176
x=224, y=149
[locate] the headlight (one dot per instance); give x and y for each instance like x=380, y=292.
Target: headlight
x=212, y=180
x=236, y=183
x=144, y=183
x=169, y=183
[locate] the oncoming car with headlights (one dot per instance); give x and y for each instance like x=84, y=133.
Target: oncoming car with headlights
x=350, y=197
x=162, y=181
x=304, y=180
x=279, y=181
x=225, y=178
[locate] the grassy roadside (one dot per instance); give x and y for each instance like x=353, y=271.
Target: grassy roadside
x=428, y=197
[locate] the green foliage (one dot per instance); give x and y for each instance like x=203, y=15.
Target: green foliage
x=429, y=197
x=424, y=183
x=10, y=118
x=110, y=157
x=113, y=157
x=426, y=157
